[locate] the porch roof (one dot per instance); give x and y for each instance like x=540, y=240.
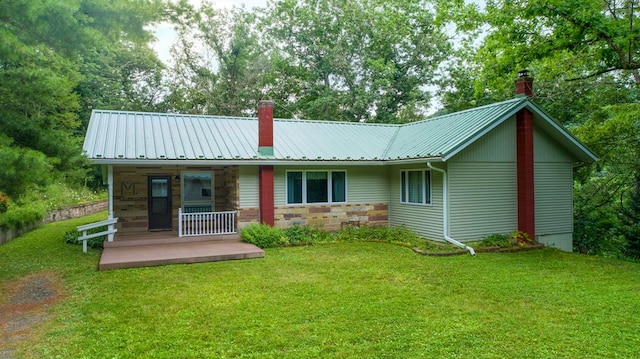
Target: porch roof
x=136, y=137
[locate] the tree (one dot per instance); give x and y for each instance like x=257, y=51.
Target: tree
x=355, y=60
x=612, y=184
x=605, y=34
x=577, y=50
x=36, y=83
x=52, y=66
x=22, y=168
x=118, y=69
x=220, y=65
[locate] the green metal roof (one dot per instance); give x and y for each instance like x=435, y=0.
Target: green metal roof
x=443, y=135
x=137, y=137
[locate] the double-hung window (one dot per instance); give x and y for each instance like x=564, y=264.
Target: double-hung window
x=415, y=186
x=316, y=187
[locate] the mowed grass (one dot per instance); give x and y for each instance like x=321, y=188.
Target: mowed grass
x=344, y=300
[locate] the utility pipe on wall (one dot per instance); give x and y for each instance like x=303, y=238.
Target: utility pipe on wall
x=445, y=211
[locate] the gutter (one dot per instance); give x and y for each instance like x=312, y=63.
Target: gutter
x=445, y=211
x=262, y=162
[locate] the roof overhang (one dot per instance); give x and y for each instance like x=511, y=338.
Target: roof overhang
x=562, y=135
x=257, y=162
x=135, y=162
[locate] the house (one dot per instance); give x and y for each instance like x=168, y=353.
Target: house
x=459, y=177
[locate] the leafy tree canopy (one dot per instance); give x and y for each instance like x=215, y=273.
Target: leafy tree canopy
x=363, y=60
x=53, y=57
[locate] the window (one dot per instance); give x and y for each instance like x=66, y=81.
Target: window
x=197, y=193
x=316, y=187
x=415, y=186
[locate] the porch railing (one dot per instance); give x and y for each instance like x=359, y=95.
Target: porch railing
x=206, y=223
x=111, y=230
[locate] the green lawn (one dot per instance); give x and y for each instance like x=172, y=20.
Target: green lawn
x=346, y=300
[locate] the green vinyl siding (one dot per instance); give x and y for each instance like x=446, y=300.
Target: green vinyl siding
x=483, y=199
x=554, y=201
x=368, y=184
x=554, y=192
x=426, y=220
x=365, y=184
x=249, y=187
x=499, y=145
x=546, y=149
x=483, y=196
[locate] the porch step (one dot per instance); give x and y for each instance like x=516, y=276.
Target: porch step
x=146, y=239
x=176, y=253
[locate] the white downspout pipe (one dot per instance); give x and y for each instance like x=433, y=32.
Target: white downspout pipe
x=445, y=211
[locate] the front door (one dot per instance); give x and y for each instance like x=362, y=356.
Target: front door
x=160, y=202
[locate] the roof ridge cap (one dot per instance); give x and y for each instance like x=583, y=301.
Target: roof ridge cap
x=338, y=122
x=171, y=114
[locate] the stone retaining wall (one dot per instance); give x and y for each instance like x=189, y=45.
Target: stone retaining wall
x=76, y=211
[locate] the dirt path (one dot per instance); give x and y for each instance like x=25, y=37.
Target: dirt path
x=23, y=305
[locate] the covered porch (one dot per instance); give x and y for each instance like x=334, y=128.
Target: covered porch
x=172, y=215
x=131, y=250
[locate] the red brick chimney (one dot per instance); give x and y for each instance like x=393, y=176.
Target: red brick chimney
x=525, y=159
x=524, y=84
x=265, y=128
x=265, y=148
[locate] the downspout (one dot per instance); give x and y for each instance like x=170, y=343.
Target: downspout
x=445, y=211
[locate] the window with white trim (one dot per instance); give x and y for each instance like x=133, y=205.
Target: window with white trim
x=314, y=186
x=197, y=192
x=415, y=186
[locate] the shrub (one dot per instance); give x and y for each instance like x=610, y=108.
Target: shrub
x=60, y=195
x=396, y=235
x=507, y=240
x=71, y=237
x=264, y=236
x=4, y=203
x=497, y=240
x=299, y=235
x=522, y=238
x=19, y=217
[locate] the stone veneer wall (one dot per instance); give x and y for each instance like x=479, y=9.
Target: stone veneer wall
x=328, y=217
x=130, y=192
x=247, y=216
x=331, y=217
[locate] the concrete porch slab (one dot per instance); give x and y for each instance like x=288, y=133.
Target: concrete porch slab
x=157, y=254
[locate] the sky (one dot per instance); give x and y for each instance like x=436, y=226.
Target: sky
x=166, y=35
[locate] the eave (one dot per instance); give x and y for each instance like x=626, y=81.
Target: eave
x=260, y=162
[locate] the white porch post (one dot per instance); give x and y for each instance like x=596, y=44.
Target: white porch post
x=110, y=189
x=180, y=222
x=110, y=195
